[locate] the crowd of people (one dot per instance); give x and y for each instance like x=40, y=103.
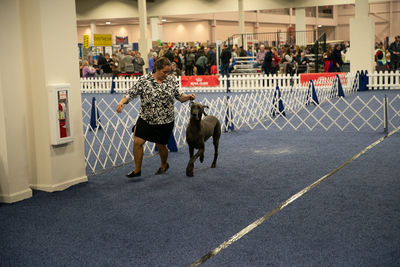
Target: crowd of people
x=388, y=57
x=190, y=61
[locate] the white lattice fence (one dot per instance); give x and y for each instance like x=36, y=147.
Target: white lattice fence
x=394, y=112
x=109, y=144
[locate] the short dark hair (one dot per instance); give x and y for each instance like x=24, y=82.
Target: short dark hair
x=161, y=63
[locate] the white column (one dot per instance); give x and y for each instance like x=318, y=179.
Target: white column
x=92, y=32
x=241, y=16
x=301, y=39
x=213, y=29
x=29, y=159
x=362, y=38
x=156, y=28
x=257, y=24
x=14, y=160
x=144, y=41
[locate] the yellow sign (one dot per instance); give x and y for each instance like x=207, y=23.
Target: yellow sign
x=102, y=39
x=86, y=41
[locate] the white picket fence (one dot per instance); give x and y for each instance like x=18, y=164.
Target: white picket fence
x=238, y=83
x=384, y=80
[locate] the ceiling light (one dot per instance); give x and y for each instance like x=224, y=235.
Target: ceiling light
x=163, y=20
x=319, y=26
x=108, y=23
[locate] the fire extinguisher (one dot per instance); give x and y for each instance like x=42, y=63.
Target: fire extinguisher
x=61, y=118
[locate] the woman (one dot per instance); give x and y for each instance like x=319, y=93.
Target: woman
x=157, y=91
x=115, y=65
x=106, y=67
x=337, y=60
x=87, y=71
x=138, y=63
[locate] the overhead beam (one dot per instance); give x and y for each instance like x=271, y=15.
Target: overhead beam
x=101, y=9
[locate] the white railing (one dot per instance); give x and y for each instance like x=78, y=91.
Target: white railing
x=108, y=143
x=384, y=80
x=237, y=83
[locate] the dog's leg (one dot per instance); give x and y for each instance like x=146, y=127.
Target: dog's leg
x=190, y=166
x=215, y=142
x=202, y=156
x=216, y=136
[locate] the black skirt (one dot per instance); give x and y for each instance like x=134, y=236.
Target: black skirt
x=158, y=133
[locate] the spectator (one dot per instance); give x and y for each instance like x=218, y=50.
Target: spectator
x=394, y=50
x=327, y=58
x=138, y=63
x=242, y=52
x=115, y=65
x=260, y=56
x=267, y=62
x=182, y=57
x=150, y=54
x=121, y=54
x=169, y=54
x=106, y=67
x=175, y=70
x=190, y=61
x=337, y=60
x=80, y=68
x=152, y=59
x=211, y=59
x=275, y=60
x=126, y=64
x=96, y=67
x=101, y=60
x=177, y=60
x=225, y=60
x=201, y=64
x=380, y=58
x=87, y=71
x=288, y=64
x=302, y=63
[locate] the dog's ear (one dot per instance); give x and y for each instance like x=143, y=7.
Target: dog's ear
x=191, y=103
x=202, y=109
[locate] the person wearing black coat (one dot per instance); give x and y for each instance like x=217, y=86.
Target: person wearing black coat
x=266, y=66
x=337, y=59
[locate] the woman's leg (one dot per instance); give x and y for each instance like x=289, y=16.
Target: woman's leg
x=138, y=152
x=163, y=151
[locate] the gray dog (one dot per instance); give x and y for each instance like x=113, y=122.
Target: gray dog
x=198, y=132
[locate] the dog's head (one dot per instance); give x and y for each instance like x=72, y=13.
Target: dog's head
x=197, y=111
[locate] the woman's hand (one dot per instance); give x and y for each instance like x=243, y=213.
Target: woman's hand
x=120, y=107
x=121, y=104
x=185, y=97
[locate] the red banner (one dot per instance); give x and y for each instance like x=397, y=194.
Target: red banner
x=326, y=78
x=196, y=81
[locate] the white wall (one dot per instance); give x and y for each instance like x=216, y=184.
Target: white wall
x=40, y=40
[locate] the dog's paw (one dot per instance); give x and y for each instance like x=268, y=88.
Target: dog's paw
x=189, y=173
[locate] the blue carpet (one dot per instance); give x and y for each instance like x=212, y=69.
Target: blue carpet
x=351, y=219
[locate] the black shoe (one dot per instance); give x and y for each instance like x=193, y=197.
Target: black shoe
x=161, y=171
x=133, y=174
